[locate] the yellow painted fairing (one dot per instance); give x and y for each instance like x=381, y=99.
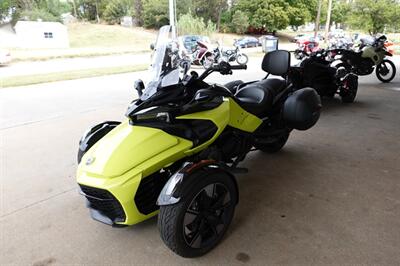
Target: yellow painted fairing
x=119, y=161
x=229, y=113
x=123, y=157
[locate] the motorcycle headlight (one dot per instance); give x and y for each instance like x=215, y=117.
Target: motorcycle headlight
x=152, y=117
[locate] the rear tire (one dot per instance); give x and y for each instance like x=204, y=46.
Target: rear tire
x=196, y=224
x=274, y=144
x=350, y=94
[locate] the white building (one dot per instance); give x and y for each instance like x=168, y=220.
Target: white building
x=38, y=34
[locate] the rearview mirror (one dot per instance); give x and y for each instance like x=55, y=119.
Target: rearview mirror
x=139, y=87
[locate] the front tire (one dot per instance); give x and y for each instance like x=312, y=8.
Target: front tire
x=383, y=69
x=273, y=144
x=208, y=62
x=242, y=59
x=196, y=224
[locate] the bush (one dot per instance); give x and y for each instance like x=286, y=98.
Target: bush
x=36, y=14
x=155, y=13
x=189, y=24
x=240, y=22
x=46, y=10
x=116, y=9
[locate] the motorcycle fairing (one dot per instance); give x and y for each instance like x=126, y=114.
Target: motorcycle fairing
x=229, y=113
x=127, y=147
x=118, y=162
x=371, y=53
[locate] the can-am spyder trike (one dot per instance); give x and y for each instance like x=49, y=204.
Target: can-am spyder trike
x=315, y=71
x=180, y=146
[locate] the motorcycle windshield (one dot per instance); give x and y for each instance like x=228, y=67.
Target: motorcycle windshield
x=164, y=70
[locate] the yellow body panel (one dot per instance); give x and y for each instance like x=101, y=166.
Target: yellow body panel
x=160, y=150
x=229, y=113
x=119, y=161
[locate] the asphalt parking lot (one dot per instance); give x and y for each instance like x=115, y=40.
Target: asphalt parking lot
x=331, y=196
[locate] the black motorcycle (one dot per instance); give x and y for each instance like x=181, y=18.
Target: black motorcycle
x=367, y=59
x=315, y=72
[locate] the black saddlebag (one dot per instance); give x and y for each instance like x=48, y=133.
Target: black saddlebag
x=301, y=109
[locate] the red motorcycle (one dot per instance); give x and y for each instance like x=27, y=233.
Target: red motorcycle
x=203, y=55
x=305, y=48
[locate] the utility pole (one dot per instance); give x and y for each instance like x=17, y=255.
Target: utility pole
x=328, y=20
x=318, y=19
x=172, y=17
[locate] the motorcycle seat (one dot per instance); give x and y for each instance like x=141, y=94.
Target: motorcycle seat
x=233, y=85
x=258, y=97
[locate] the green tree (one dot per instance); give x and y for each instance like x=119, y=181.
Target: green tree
x=116, y=9
x=47, y=10
x=190, y=24
x=341, y=11
x=91, y=10
x=210, y=9
x=298, y=12
x=5, y=9
x=155, y=13
x=265, y=14
x=36, y=14
x=240, y=22
x=374, y=15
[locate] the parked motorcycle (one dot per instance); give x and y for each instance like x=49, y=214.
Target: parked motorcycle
x=230, y=55
x=305, y=48
x=316, y=72
x=181, y=144
x=340, y=43
x=203, y=55
x=369, y=58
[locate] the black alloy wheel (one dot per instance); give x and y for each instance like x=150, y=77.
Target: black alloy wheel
x=196, y=224
x=205, y=218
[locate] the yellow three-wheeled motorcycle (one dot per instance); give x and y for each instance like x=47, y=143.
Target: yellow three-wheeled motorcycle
x=178, y=150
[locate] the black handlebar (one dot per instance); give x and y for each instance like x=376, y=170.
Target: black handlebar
x=239, y=67
x=224, y=68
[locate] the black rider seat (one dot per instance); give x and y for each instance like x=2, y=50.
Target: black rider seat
x=257, y=98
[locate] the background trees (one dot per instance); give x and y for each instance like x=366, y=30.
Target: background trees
x=190, y=24
x=227, y=15
x=375, y=15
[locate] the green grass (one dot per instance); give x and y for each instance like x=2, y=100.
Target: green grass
x=89, y=40
x=82, y=35
x=68, y=75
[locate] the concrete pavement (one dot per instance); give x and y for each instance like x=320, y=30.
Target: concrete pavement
x=332, y=196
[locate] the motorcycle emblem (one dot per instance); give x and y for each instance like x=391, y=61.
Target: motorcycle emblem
x=90, y=160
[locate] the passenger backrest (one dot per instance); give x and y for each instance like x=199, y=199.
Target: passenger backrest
x=276, y=63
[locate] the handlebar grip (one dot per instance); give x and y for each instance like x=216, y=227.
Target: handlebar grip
x=239, y=67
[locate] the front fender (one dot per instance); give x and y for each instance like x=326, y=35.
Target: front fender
x=174, y=189
x=94, y=134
